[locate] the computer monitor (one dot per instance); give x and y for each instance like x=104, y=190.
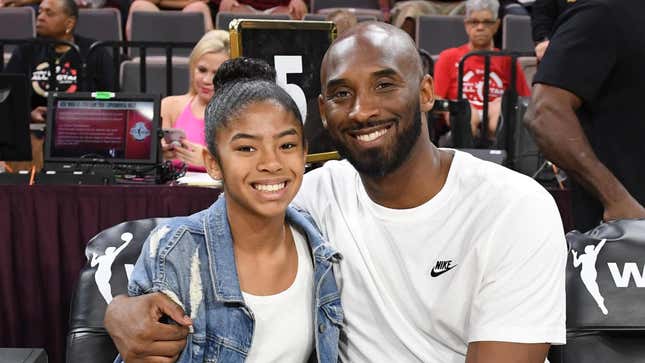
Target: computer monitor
x=15, y=142
x=103, y=127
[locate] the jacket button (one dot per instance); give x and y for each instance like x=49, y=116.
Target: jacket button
x=322, y=327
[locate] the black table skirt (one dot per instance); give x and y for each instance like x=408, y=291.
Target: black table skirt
x=43, y=233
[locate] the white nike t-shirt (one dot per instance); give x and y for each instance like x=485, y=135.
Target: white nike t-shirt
x=483, y=260
x=283, y=331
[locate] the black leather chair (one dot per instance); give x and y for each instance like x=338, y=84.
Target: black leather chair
x=605, y=315
x=111, y=255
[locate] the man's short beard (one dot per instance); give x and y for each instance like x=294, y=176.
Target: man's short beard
x=378, y=162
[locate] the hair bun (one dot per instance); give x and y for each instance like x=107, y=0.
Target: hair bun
x=243, y=69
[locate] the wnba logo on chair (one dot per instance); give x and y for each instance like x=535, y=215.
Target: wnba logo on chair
x=103, y=272
x=588, y=273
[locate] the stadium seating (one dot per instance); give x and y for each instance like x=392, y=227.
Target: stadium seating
x=167, y=26
x=516, y=34
x=529, y=66
x=316, y=5
x=99, y=24
x=356, y=11
x=155, y=76
x=223, y=19
x=87, y=339
x=17, y=23
x=322, y=17
x=436, y=33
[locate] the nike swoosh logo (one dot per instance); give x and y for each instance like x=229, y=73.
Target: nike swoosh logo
x=435, y=273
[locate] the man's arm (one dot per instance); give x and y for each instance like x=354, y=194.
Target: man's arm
x=552, y=121
x=133, y=323
x=504, y=352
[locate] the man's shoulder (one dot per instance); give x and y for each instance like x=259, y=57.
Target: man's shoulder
x=319, y=185
x=332, y=171
x=496, y=181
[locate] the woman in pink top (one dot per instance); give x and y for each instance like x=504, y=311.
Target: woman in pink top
x=186, y=111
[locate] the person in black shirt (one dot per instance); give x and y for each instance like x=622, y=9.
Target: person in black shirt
x=587, y=110
x=543, y=16
x=56, y=20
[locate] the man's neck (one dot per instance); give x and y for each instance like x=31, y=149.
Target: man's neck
x=489, y=46
x=415, y=182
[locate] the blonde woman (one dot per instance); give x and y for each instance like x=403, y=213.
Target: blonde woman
x=186, y=111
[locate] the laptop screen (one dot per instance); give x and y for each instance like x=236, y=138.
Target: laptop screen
x=118, y=129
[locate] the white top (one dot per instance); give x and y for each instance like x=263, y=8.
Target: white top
x=483, y=260
x=284, y=322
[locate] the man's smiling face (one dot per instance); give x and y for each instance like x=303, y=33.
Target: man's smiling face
x=370, y=99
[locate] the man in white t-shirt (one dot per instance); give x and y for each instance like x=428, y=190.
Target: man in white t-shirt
x=447, y=258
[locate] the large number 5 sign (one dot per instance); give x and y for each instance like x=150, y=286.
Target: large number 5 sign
x=285, y=64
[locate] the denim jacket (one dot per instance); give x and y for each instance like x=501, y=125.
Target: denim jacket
x=191, y=260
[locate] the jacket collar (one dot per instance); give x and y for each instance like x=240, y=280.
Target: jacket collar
x=221, y=258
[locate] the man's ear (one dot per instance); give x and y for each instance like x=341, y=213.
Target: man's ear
x=70, y=23
x=212, y=165
x=321, y=109
x=426, y=94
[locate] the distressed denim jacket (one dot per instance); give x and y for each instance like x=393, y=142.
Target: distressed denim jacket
x=191, y=260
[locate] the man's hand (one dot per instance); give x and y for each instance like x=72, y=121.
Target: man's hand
x=133, y=324
x=38, y=114
x=505, y=352
x=297, y=9
x=540, y=48
x=627, y=208
x=228, y=5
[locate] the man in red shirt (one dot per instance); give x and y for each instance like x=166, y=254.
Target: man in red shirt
x=481, y=25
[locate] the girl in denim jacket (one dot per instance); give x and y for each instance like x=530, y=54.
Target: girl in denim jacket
x=253, y=274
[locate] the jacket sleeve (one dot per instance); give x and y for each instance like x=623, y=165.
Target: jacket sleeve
x=145, y=274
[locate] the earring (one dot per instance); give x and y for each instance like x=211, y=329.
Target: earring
x=324, y=121
x=67, y=31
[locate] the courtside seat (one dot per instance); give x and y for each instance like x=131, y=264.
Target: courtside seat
x=516, y=34
x=605, y=294
x=529, y=67
x=436, y=33
x=155, y=75
x=167, y=26
x=111, y=256
x=375, y=14
x=322, y=17
x=99, y=24
x=316, y=5
x=17, y=23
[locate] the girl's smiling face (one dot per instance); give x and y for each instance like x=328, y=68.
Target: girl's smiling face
x=260, y=158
